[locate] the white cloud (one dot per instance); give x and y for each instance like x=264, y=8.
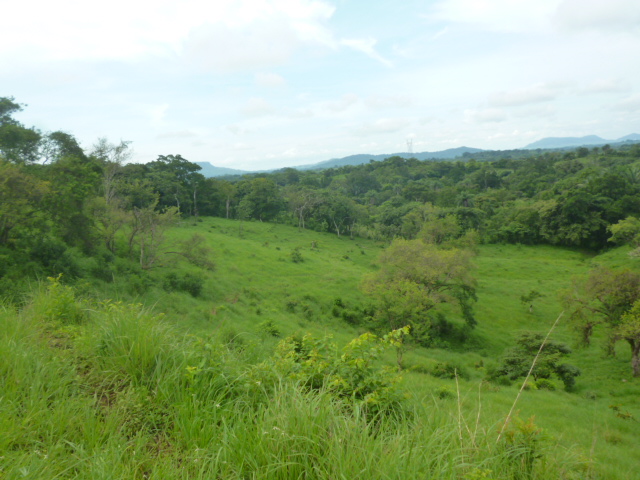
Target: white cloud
x=157, y=114
x=257, y=107
x=609, y=85
x=366, y=46
x=387, y=101
x=180, y=134
x=541, y=111
x=497, y=15
x=236, y=129
x=383, y=125
x=226, y=34
x=489, y=115
x=345, y=102
x=611, y=16
x=524, y=96
x=270, y=80
x=629, y=104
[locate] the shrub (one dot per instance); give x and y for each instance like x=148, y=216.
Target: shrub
x=448, y=370
x=187, y=282
x=545, y=384
x=516, y=361
x=58, y=302
x=269, y=328
x=352, y=375
x=444, y=392
x=296, y=256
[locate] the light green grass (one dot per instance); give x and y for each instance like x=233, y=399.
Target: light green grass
x=108, y=395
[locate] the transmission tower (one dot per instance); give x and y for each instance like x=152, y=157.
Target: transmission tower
x=410, y=145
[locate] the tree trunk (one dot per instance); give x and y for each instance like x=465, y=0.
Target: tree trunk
x=635, y=357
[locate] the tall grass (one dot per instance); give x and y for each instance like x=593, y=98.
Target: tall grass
x=124, y=395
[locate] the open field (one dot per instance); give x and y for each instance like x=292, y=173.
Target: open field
x=109, y=395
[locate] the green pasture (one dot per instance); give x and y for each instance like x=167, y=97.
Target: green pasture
x=102, y=390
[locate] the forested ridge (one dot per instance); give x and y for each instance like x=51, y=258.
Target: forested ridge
x=54, y=188
x=388, y=252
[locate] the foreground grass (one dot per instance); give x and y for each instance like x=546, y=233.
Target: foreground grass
x=113, y=391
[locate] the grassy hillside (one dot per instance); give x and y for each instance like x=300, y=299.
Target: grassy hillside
x=104, y=390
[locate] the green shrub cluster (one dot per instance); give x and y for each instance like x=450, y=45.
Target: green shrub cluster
x=353, y=374
x=186, y=282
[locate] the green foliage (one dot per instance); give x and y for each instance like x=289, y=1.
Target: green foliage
x=58, y=302
x=517, y=361
x=444, y=393
x=524, y=444
x=269, y=328
x=545, y=384
x=625, y=232
x=448, y=370
x=352, y=375
x=610, y=298
x=530, y=297
x=416, y=279
x=190, y=283
x=296, y=256
x=133, y=344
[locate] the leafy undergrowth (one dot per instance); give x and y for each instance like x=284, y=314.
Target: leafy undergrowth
x=116, y=391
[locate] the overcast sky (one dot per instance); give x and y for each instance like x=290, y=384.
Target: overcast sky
x=257, y=84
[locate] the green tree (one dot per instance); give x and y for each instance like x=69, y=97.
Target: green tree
x=74, y=181
x=21, y=197
x=18, y=144
x=261, y=199
x=604, y=298
x=629, y=331
x=517, y=361
x=56, y=145
x=625, y=232
x=177, y=182
x=529, y=298
x=414, y=280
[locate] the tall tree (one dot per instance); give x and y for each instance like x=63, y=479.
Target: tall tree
x=18, y=144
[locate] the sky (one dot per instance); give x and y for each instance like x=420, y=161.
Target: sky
x=261, y=84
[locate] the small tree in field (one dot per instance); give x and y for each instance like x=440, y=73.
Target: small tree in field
x=516, y=361
x=529, y=298
x=601, y=299
x=414, y=279
x=629, y=331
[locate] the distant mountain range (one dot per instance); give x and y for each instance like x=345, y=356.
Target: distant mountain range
x=365, y=158
x=209, y=170
x=589, y=140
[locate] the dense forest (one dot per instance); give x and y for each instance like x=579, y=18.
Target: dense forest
x=87, y=217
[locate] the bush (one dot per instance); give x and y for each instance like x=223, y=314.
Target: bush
x=516, y=361
x=58, y=302
x=448, y=370
x=545, y=384
x=269, y=328
x=444, y=392
x=55, y=258
x=352, y=375
x=296, y=256
x=187, y=282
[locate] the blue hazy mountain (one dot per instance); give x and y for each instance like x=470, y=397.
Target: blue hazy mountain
x=208, y=170
x=361, y=158
x=589, y=140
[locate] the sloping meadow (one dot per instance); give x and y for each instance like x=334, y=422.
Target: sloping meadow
x=96, y=388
